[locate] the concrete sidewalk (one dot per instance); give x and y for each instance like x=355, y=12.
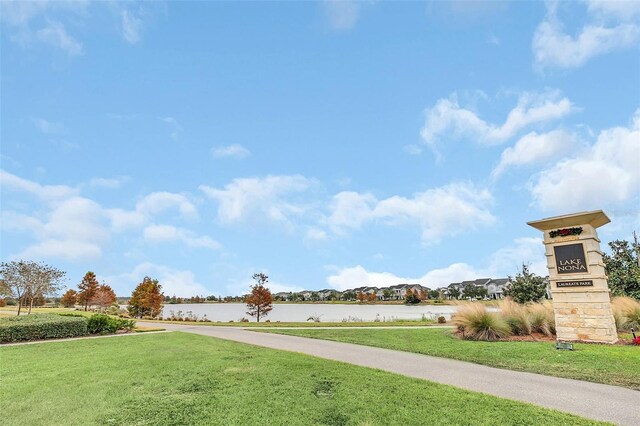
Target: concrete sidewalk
x=591, y=400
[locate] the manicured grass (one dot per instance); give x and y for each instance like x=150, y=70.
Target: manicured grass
x=186, y=379
x=400, y=323
x=609, y=364
x=11, y=310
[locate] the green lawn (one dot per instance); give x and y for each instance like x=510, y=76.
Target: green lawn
x=186, y=379
x=614, y=365
x=308, y=324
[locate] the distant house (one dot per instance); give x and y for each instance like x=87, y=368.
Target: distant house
x=495, y=288
x=306, y=295
x=324, y=294
x=283, y=295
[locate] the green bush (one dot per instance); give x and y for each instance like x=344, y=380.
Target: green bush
x=71, y=314
x=104, y=324
x=40, y=326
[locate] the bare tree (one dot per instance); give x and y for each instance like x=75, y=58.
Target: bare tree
x=26, y=280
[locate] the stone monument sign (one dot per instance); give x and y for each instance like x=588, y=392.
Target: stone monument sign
x=581, y=300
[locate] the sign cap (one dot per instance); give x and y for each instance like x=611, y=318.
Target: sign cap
x=595, y=218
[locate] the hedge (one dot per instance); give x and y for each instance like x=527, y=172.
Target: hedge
x=41, y=326
x=104, y=324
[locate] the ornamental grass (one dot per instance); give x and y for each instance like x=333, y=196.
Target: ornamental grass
x=476, y=323
x=626, y=312
x=542, y=318
x=516, y=315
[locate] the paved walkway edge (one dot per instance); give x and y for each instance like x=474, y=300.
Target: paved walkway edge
x=591, y=400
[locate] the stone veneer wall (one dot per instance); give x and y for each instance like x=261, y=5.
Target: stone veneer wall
x=582, y=313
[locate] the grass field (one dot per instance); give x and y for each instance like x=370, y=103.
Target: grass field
x=309, y=324
x=614, y=365
x=186, y=379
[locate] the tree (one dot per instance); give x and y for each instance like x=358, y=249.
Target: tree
x=423, y=295
x=372, y=297
x=623, y=267
x=146, y=299
x=39, y=300
x=349, y=295
x=104, y=296
x=434, y=294
x=454, y=293
x=361, y=296
x=474, y=292
x=526, y=287
x=260, y=300
x=27, y=280
x=411, y=297
x=387, y=294
x=69, y=299
x=88, y=288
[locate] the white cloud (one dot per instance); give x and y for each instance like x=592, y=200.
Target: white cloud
x=175, y=126
x=534, y=148
x=316, y=234
x=44, y=192
x=447, y=210
x=234, y=151
x=157, y=202
x=448, y=118
x=342, y=14
x=168, y=233
x=494, y=39
x=412, y=149
x=242, y=286
x=131, y=26
x=604, y=174
x=110, y=183
x=263, y=197
x=55, y=34
x=350, y=210
x=181, y=283
x=48, y=127
x=505, y=261
x=122, y=220
x=552, y=47
x=622, y=10
x=74, y=230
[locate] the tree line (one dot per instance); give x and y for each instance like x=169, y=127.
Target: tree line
x=28, y=282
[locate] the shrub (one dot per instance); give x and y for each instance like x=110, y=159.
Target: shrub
x=314, y=318
x=477, y=324
x=3, y=303
x=442, y=320
x=516, y=316
x=626, y=312
x=104, y=324
x=71, y=314
x=41, y=326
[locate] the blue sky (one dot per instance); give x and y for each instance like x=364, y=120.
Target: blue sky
x=327, y=144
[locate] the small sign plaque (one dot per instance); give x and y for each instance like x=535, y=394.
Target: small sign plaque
x=570, y=259
x=564, y=345
x=583, y=283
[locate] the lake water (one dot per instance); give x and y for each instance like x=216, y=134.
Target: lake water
x=301, y=312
